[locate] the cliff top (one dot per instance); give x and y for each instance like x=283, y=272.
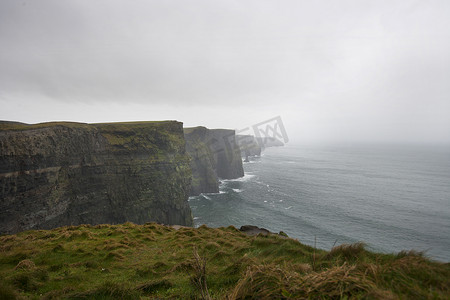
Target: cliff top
x=145, y=135
x=154, y=261
x=10, y=125
x=188, y=130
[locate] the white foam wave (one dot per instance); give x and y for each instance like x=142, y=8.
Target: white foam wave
x=221, y=191
x=193, y=198
x=237, y=190
x=246, y=177
x=206, y=197
x=251, y=162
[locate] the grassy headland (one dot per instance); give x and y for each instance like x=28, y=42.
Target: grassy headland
x=149, y=261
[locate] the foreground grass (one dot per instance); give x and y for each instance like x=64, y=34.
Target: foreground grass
x=153, y=261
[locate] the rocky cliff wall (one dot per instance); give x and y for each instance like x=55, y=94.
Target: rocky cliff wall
x=249, y=145
x=214, y=154
x=58, y=174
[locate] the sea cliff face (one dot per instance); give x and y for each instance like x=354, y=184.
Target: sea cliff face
x=253, y=146
x=214, y=154
x=249, y=145
x=57, y=174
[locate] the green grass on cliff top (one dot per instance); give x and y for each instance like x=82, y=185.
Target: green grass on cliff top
x=156, y=136
x=6, y=125
x=153, y=261
x=189, y=130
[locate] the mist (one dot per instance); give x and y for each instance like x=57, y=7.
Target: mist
x=347, y=71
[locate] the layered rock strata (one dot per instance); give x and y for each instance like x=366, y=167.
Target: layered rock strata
x=56, y=174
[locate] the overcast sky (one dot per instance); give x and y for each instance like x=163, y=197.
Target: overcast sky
x=333, y=70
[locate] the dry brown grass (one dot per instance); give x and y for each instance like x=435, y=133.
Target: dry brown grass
x=338, y=281
x=264, y=282
x=273, y=282
x=25, y=264
x=346, y=251
x=198, y=274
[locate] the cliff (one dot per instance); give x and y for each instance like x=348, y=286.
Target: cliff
x=214, y=154
x=249, y=145
x=56, y=174
x=253, y=146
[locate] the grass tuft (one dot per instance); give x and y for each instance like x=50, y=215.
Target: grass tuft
x=25, y=264
x=115, y=255
x=405, y=253
x=347, y=251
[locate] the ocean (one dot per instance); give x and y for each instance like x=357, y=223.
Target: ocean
x=390, y=198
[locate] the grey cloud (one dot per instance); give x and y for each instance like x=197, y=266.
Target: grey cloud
x=368, y=60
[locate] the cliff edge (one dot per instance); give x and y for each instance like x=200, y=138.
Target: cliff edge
x=56, y=174
x=214, y=154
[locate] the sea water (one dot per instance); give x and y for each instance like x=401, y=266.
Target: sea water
x=390, y=198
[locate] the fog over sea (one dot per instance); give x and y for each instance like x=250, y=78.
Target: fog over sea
x=391, y=198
